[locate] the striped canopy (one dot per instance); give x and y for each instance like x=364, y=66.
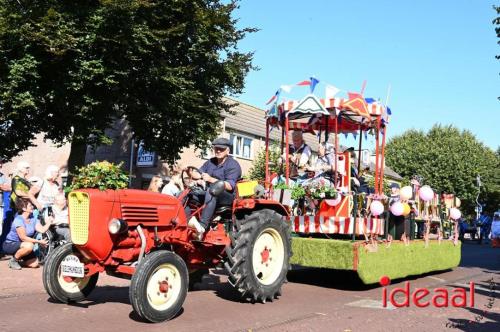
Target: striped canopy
x=353, y=113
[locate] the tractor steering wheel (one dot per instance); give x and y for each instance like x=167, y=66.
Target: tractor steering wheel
x=187, y=176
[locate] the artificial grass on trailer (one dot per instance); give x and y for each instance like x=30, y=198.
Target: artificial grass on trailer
x=397, y=261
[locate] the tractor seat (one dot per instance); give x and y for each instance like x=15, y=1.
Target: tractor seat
x=222, y=209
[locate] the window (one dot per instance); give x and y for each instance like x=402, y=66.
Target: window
x=241, y=146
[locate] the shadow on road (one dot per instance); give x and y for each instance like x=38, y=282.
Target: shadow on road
x=102, y=294
x=480, y=255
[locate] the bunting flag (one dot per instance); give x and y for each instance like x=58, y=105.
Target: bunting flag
x=357, y=104
x=366, y=135
x=345, y=135
x=389, y=111
x=276, y=95
x=331, y=91
x=304, y=83
x=314, y=82
x=355, y=135
x=370, y=100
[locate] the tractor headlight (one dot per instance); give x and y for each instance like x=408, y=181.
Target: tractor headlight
x=117, y=226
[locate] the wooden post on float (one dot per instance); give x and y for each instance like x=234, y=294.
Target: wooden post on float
x=287, y=152
x=382, y=157
x=359, y=149
x=267, y=153
x=376, y=175
x=336, y=148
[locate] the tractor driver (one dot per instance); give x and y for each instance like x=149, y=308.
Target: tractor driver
x=221, y=167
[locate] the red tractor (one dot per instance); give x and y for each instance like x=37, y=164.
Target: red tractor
x=144, y=236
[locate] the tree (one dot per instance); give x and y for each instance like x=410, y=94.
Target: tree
x=69, y=69
x=258, y=170
x=449, y=160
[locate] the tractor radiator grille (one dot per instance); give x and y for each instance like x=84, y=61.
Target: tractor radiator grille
x=139, y=213
x=79, y=207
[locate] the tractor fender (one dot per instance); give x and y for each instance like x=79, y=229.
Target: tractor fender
x=248, y=205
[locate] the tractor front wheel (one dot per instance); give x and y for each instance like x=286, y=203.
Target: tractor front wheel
x=159, y=286
x=61, y=288
x=258, y=258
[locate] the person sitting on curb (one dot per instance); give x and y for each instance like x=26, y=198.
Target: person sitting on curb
x=20, y=239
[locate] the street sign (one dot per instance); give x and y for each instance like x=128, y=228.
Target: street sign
x=145, y=158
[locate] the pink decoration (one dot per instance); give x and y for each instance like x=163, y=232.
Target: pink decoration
x=405, y=193
x=397, y=208
x=455, y=213
x=334, y=202
x=376, y=208
x=426, y=193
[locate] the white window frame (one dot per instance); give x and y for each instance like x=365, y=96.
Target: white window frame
x=252, y=139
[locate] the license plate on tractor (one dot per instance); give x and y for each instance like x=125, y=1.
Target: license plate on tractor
x=72, y=267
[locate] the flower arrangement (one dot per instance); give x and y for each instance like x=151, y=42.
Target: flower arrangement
x=320, y=190
x=101, y=175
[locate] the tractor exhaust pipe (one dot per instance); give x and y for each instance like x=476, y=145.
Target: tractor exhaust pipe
x=143, y=242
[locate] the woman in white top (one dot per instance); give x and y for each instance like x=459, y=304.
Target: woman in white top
x=49, y=188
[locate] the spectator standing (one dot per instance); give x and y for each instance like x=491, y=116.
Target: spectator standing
x=20, y=240
x=4, y=186
x=21, y=188
x=49, y=188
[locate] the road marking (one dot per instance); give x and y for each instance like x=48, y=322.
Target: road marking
x=371, y=304
x=436, y=278
x=286, y=321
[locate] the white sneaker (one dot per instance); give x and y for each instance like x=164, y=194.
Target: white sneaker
x=200, y=230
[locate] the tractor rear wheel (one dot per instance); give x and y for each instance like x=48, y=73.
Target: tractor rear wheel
x=258, y=257
x=61, y=288
x=159, y=286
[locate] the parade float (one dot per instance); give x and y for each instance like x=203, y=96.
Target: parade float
x=349, y=230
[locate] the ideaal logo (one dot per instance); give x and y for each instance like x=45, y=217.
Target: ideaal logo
x=423, y=297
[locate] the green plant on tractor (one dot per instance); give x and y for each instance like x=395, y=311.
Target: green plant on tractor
x=100, y=175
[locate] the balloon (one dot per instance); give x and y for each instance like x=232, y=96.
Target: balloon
x=405, y=193
x=425, y=193
x=458, y=202
x=376, y=208
x=455, y=213
x=406, y=209
x=397, y=208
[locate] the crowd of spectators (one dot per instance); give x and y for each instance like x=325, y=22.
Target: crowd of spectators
x=33, y=206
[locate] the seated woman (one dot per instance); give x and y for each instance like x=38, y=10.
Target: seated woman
x=20, y=239
x=323, y=168
x=60, y=217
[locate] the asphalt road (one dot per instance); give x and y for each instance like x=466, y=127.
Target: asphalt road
x=312, y=300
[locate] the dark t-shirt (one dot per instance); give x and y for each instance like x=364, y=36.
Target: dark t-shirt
x=229, y=170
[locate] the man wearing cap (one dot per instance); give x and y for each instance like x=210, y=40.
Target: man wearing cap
x=221, y=167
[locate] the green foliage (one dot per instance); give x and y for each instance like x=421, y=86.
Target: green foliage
x=449, y=160
x=69, y=69
x=101, y=175
x=298, y=191
x=258, y=170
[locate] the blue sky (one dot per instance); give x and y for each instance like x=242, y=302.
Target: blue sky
x=438, y=57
